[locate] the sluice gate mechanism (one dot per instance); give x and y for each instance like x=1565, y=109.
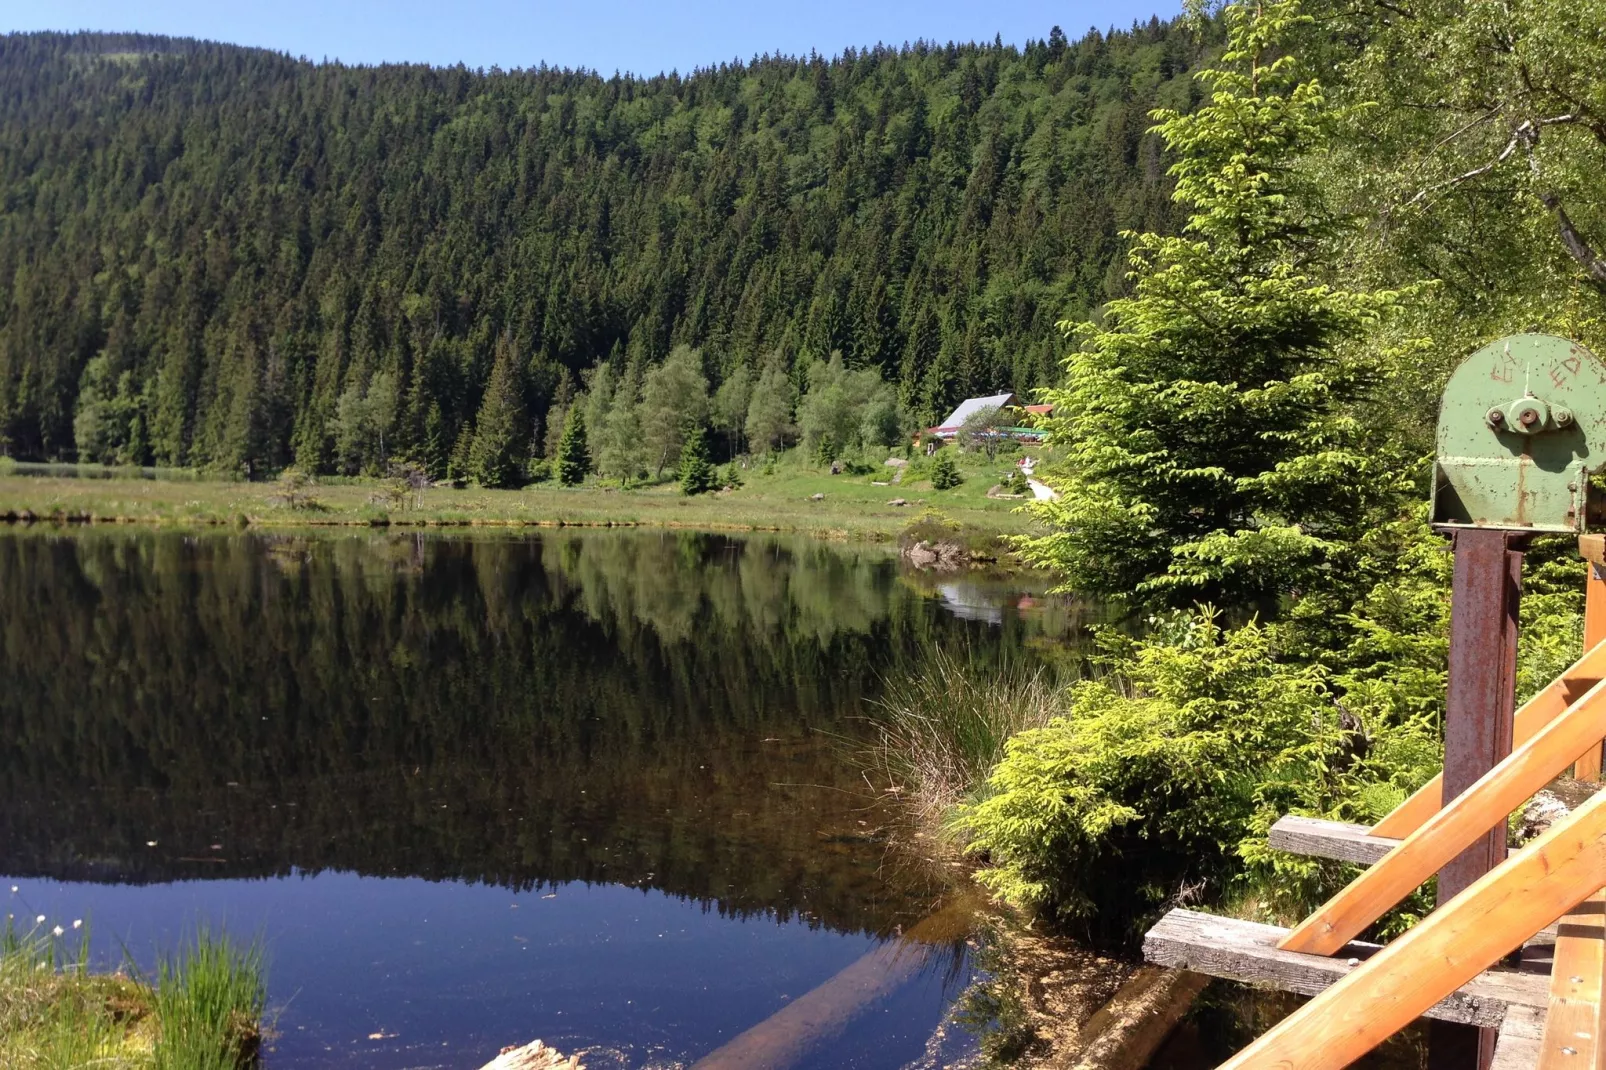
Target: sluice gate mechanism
x=1508, y=968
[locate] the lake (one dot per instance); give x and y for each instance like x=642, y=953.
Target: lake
x=599, y=788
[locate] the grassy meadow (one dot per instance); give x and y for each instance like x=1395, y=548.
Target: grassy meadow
x=780, y=498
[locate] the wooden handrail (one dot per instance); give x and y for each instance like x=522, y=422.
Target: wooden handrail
x=1471, y=814
x=1504, y=907
x=1534, y=715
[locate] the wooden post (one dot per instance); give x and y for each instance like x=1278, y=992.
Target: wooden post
x=1571, y=1038
x=1593, y=549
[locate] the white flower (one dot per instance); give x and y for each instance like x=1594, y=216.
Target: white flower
x=58, y=930
x=40, y=920
x=78, y=924
x=13, y=889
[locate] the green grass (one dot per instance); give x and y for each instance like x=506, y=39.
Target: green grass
x=781, y=500
x=202, y=1011
x=942, y=729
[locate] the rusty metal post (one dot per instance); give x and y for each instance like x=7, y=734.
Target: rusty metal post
x=1484, y=599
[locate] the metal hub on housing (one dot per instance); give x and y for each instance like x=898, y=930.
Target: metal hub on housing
x=1521, y=429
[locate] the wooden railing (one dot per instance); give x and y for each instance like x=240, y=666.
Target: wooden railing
x=1560, y=875
x=1531, y=889
x=1534, y=715
x=1448, y=831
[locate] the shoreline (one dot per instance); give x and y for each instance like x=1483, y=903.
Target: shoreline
x=847, y=509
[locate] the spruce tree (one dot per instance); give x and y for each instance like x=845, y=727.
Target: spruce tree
x=697, y=475
x=944, y=472
x=574, y=454
x=499, y=431
x=1209, y=453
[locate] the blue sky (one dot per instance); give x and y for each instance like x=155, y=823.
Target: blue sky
x=630, y=35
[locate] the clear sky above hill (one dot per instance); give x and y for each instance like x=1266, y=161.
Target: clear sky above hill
x=629, y=35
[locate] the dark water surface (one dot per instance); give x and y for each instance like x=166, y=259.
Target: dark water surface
x=593, y=788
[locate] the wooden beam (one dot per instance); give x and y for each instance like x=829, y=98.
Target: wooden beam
x=1444, y=951
x=1484, y=806
x=1247, y=951
x=1314, y=837
x=1571, y=1034
x=1588, y=765
x=1518, y=1045
x=1534, y=715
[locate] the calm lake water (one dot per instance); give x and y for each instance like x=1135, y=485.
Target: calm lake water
x=594, y=788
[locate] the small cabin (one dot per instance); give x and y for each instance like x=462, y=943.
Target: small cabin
x=1015, y=414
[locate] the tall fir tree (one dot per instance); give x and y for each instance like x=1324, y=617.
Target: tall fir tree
x=697, y=475
x=1208, y=449
x=500, y=432
x=574, y=452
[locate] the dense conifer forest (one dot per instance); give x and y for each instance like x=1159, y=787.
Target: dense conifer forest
x=227, y=258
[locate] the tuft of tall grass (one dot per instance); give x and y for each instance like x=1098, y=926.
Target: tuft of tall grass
x=209, y=1001
x=202, y=1012
x=941, y=728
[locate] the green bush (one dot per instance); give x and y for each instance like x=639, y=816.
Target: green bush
x=944, y=472
x=1168, y=770
x=1156, y=772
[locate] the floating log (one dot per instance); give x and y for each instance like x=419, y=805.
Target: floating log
x=783, y=1038
x=1125, y=1033
x=533, y=1056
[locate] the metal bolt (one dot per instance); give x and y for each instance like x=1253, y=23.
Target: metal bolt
x=1529, y=417
x=1572, y=486
x=1495, y=418
x=1562, y=416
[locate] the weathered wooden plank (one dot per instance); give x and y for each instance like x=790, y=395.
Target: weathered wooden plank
x=1534, y=715
x=1570, y=1038
x=1314, y=837
x=1483, y=806
x=1518, y=1045
x=1447, y=949
x=1247, y=951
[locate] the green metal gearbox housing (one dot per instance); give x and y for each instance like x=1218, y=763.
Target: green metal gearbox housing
x=1522, y=428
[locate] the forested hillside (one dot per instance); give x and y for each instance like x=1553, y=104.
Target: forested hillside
x=213, y=255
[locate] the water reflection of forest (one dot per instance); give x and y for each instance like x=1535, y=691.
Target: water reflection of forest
x=647, y=709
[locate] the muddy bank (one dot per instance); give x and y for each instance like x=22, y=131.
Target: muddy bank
x=1058, y=1005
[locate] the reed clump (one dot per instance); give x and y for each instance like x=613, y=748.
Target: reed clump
x=202, y=1010
x=941, y=730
